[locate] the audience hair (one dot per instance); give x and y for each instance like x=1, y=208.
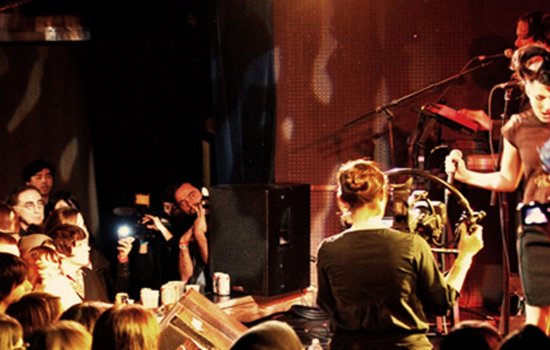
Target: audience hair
x=126, y=327
x=11, y=332
x=65, y=196
x=65, y=237
x=472, y=335
x=9, y=220
x=85, y=313
x=527, y=337
x=65, y=215
x=168, y=194
x=35, y=254
x=33, y=311
x=13, y=272
x=8, y=244
x=62, y=335
x=13, y=198
x=28, y=242
x=36, y=166
x=53, y=301
x=267, y=336
x=6, y=238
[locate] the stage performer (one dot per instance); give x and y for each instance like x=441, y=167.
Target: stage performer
x=376, y=283
x=524, y=136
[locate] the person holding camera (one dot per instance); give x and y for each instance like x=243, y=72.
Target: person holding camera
x=376, y=283
x=167, y=247
x=146, y=246
x=525, y=134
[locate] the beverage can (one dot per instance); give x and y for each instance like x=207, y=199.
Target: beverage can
x=221, y=283
x=121, y=298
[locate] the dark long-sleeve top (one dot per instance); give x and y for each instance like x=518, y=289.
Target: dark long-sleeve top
x=380, y=281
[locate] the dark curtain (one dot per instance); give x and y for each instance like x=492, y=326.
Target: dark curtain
x=244, y=91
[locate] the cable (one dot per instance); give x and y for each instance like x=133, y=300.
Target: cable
x=471, y=216
x=458, y=76
x=309, y=313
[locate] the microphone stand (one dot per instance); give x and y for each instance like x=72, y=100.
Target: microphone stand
x=504, y=324
x=386, y=107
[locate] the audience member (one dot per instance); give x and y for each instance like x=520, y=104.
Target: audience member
x=169, y=206
x=471, y=335
x=65, y=215
x=61, y=199
x=527, y=337
x=8, y=244
x=270, y=335
x=532, y=28
x=388, y=305
x=11, y=333
x=126, y=327
x=33, y=311
x=53, y=301
x=13, y=276
x=29, y=206
x=193, y=244
x=28, y=242
x=527, y=26
x=40, y=174
x=86, y=313
x=71, y=243
x=9, y=221
x=98, y=263
x=153, y=252
x=46, y=276
x=62, y=335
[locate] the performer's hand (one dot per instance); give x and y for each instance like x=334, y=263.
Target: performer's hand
x=454, y=164
x=479, y=116
x=471, y=240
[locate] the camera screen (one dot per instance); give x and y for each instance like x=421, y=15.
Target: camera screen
x=534, y=216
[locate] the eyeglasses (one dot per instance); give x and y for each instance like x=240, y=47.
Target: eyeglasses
x=33, y=206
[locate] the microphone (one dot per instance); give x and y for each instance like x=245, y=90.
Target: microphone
x=508, y=84
x=451, y=176
x=454, y=153
x=508, y=53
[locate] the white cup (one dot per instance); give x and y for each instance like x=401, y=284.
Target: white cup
x=149, y=298
x=196, y=287
x=179, y=287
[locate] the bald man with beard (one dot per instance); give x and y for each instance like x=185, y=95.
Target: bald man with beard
x=193, y=244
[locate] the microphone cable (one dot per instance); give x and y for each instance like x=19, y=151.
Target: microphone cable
x=459, y=75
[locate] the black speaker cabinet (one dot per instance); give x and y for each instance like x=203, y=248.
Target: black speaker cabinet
x=260, y=236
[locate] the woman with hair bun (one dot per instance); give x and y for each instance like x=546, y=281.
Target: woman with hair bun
x=377, y=283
